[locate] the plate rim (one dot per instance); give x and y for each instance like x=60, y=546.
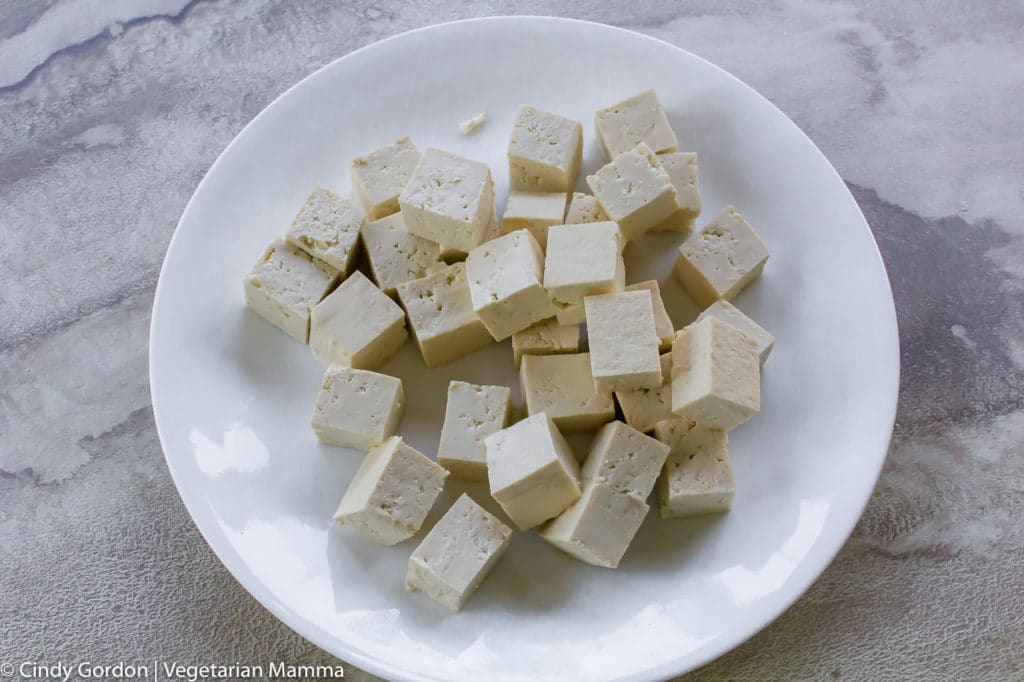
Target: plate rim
x=350, y=656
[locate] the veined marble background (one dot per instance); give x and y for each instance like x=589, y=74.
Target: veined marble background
x=112, y=110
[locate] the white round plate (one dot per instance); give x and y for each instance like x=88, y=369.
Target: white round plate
x=232, y=395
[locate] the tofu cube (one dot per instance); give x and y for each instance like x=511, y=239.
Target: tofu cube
x=397, y=257
x=285, y=284
x=697, y=478
x=643, y=408
x=662, y=322
x=546, y=337
x=563, y=387
x=505, y=283
x=533, y=211
x=682, y=170
x=624, y=460
x=457, y=554
x=545, y=152
x=391, y=492
x=720, y=260
x=716, y=374
x=618, y=475
x=634, y=191
x=598, y=528
x=357, y=408
x=532, y=472
x=357, y=325
x=452, y=255
x=583, y=208
x=327, y=227
x=441, y=315
x=582, y=260
x=623, y=341
x=379, y=177
x=637, y=119
x=727, y=312
x=449, y=200
x=473, y=412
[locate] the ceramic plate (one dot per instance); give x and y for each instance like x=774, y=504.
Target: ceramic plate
x=232, y=395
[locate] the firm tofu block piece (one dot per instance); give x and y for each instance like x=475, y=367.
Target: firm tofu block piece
x=598, y=528
x=643, y=408
x=682, y=170
x=697, y=478
x=457, y=554
x=583, y=208
x=545, y=152
x=505, y=283
x=716, y=374
x=449, y=200
x=391, y=493
x=637, y=119
x=727, y=312
x=533, y=211
x=720, y=260
x=532, y=472
x=452, y=255
x=563, y=387
x=618, y=475
x=473, y=412
x=285, y=284
x=582, y=260
x=634, y=191
x=546, y=337
x=662, y=322
x=357, y=408
x=356, y=325
x=623, y=341
x=397, y=257
x=378, y=177
x=327, y=227
x=441, y=315
x=624, y=460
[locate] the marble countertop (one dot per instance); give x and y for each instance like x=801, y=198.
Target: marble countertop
x=111, y=112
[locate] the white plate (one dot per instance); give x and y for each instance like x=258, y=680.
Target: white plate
x=232, y=395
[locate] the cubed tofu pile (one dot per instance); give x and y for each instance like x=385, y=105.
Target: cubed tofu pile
x=442, y=266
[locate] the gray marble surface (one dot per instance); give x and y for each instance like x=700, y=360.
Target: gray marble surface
x=111, y=112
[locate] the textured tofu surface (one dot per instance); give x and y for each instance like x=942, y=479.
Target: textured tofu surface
x=721, y=259
x=472, y=413
x=505, y=283
x=285, y=284
x=547, y=337
x=683, y=171
x=716, y=374
x=532, y=471
x=623, y=341
x=457, y=554
x=327, y=227
x=584, y=208
x=634, y=191
x=637, y=119
x=662, y=322
x=563, y=387
x=727, y=312
x=545, y=151
x=441, y=315
x=697, y=477
x=642, y=408
x=357, y=408
x=582, y=260
x=391, y=492
x=357, y=325
x=378, y=177
x=533, y=211
x=397, y=257
x=449, y=200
